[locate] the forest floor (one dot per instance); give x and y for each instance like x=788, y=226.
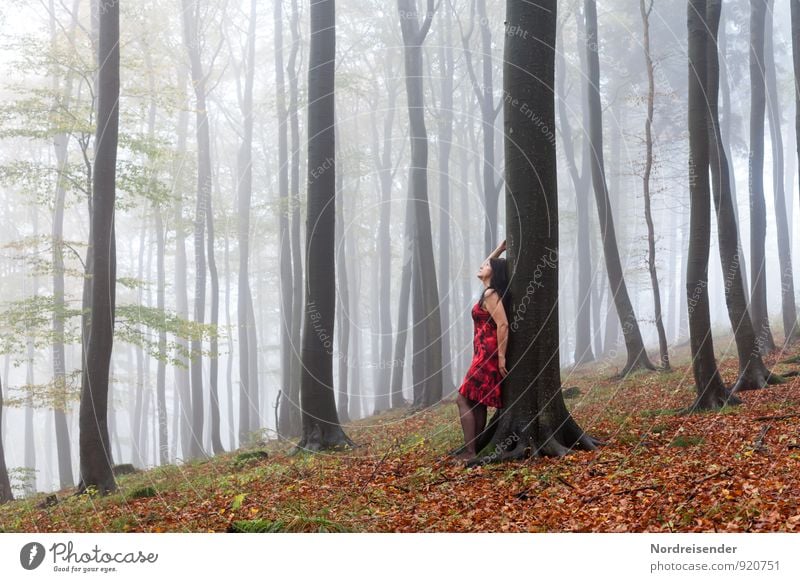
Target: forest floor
x=734, y=470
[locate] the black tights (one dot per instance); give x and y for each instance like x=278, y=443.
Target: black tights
x=473, y=421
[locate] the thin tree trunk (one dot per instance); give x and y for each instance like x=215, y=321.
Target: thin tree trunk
x=753, y=373
x=648, y=167
x=637, y=355
x=427, y=359
x=5, y=485
x=788, y=308
x=758, y=211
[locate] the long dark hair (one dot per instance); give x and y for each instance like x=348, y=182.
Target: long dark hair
x=499, y=282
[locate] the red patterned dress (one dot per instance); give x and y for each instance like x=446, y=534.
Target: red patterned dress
x=483, y=380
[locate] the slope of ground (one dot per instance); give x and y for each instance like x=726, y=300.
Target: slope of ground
x=733, y=470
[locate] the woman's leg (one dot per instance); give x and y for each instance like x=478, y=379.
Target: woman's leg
x=466, y=408
x=479, y=411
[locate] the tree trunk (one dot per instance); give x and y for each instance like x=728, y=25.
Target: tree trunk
x=343, y=313
x=788, y=308
x=795, y=7
x=287, y=348
x=290, y=407
x=648, y=167
x=753, y=373
x=321, y=428
x=583, y=323
x=445, y=129
x=5, y=485
x=95, y=448
x=183, y=411
x=190, y=22
x=711, y=391
x=216, y=442
x=426, y=333
x=534, y=420
x=637, y=355
x=758, y=211
x=60, y=143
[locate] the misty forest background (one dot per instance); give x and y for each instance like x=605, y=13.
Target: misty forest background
x=212, y=180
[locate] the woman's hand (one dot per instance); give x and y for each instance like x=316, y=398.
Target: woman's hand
x=502, y=246
x=503, y=370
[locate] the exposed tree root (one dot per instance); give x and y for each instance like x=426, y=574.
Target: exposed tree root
x=332, y=438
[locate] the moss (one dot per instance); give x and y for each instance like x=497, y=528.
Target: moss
x=686, y=441
x=143, y=492
x=244, y=459
x=295, y=524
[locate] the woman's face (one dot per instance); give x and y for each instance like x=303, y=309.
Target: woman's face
x=485, y=271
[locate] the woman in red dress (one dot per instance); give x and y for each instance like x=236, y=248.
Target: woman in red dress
x=482, y=383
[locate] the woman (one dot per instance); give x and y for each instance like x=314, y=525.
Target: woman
x=481, y=386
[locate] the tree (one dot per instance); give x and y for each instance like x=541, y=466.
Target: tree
x=580, y=182
x=752, y=371
x=788, y=307
x=427, y=325
x=321, y=428
x=637, y=355
x=534, y=420
x=94, y=444
x=244, y=306
x=758, y=211
x=795, y=7
x=646, y=10
x=711, y=390
x=5, y=485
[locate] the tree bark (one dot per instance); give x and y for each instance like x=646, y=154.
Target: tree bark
x=711, y=390
x=321, y=428
x=5, y=485
x=190, y=22
x=427, y=330
x=534, y=419
x=788, y=308
x=753, y=373
x=637, y=355
x=648, y=168
x=758, y=211
x=94, y=444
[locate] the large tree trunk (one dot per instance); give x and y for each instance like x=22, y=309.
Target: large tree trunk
x=648, y=167
x=752, y=371
x=758, y=211
x=711, y=390
x=321, y=428
x=427, y=359
x=534, y=420
x=788, y=308
x=95, y=448
x=637, y=355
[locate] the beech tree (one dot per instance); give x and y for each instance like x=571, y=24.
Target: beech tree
x=711, y=390
x=95, y=447
x=321, y=428
x=534, y=420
